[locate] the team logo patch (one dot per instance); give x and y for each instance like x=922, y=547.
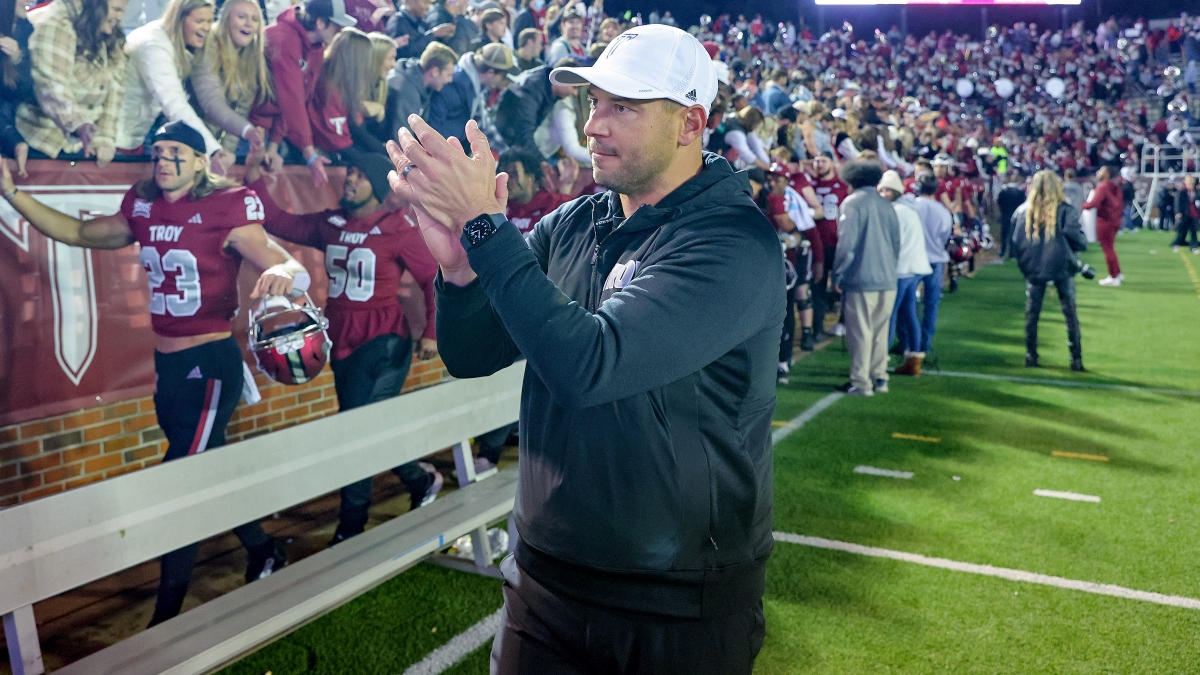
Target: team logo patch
x=337, y=221
x=195, y=220
x=621, y=275
x=141, y=208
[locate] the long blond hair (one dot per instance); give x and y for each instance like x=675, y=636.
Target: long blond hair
x=1041, y=214
x=172, y=22
x=381, y=47
x=239, y=70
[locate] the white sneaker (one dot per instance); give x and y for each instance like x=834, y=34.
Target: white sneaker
x=838, y=329
x=1109, y=281
x=1121, y=277
x=1174, y=249
x=483, y=465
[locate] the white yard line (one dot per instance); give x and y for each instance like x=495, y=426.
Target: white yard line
x=873, y=471
x=1073, y=496
x=804, y=417
x=1063, y=383
x=440, y=659
x=988, y=570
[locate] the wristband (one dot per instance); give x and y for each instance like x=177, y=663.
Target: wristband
x=246, y=130
x=312, y=159
x=8, y=196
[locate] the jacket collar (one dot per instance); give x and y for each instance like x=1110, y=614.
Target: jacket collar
x=717, y=184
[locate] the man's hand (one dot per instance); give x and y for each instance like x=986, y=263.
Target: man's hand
x=7, y=185
x=568, y=173
x=257, y=137
x=86, y=133
x=10, y=48
x=275, y=280
x=426, y=349
x=443, y=30
x=104, y=155
x=401, y=42
x=254, y=165
x=273, y=161
x=22, y=152
x=220, y=162
x=446, y=189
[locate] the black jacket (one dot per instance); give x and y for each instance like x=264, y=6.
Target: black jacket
x=1183, y=203
x=1045, y=261
x=523, y=105
x=646, y=409
x=20, y=92
x=417, y=30
x=465, y=29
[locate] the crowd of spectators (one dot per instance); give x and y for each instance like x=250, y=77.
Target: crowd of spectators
x=329, y=81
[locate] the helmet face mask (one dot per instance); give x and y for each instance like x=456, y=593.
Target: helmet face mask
x=290, y=342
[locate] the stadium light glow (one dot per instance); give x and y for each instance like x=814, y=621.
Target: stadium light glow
x=950, y=2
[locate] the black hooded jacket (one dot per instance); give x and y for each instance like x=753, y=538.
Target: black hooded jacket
x=646, y=409
x=1052, y=260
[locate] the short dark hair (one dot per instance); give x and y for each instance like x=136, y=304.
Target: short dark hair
x=526, y=36
x=927, y=184
x=531, y=161
x=862, y=174
x=789, y=113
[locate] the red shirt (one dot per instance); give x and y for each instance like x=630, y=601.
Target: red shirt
x=832, y=193
x=799, y=181
x=329, y=120
x=364, y=258
x=193, y=278
x=1109, y=202
x=525, y=216
x=294, y=63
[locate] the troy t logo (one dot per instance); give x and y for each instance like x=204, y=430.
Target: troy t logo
x=617, y=42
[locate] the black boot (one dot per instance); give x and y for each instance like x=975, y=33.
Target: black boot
x=262, y=561
x=806, y=340
x=1031, y=361
x=1077, y=364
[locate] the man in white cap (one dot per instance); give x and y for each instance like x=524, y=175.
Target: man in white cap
x=650, y=318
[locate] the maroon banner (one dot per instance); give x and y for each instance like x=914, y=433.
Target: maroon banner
x=74, y=324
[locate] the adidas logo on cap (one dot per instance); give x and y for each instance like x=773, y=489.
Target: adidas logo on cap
x=691, y=95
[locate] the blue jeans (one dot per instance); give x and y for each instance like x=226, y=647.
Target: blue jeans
x=931, y=285
x=904, y=312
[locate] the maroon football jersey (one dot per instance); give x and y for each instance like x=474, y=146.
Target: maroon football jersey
x=193, y=279
x=525, y=216
x=832, y=193
x=364, y=258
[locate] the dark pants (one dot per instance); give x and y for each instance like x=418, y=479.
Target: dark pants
x=491, y=444
x=374, y=372
x=1006, y=231
x=1187, y=227
x=1035, y=292
x=822, y=295
x=787, y=340
x=544, y=633
x=194, y=398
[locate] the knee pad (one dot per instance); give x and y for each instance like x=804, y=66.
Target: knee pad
x=804, y=303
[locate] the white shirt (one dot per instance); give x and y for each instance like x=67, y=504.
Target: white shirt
x=913, y=260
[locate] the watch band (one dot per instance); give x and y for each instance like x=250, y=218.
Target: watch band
x=478, y=229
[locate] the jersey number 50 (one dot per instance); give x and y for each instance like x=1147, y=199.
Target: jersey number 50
x=187, y=281
x=350, y=272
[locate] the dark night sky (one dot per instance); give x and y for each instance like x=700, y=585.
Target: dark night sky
x=921, y=19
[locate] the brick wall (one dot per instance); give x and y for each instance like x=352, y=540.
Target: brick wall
x=50, y=455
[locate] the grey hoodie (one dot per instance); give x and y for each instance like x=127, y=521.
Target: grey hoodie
x=868, y=243
x=408, y=93
x=646, y=409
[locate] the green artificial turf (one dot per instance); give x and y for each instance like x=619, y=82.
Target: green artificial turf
x=834, y=612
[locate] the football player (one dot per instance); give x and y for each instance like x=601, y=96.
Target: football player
x=194, y=230
x=367, y=249
x=831, y=191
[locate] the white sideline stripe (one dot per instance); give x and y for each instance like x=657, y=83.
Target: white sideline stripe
x=989, y=571
x=1063, y=383
x=872, y=471
x=804, y=417
x=1073, y=496
x=440, y=659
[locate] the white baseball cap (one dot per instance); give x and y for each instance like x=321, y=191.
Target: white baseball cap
x=650, y=62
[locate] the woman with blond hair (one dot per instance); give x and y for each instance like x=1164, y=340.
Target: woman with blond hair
x=740, y=136
x=342, y=95
x=230, y=77
x=161, y=54
x=1046, y=239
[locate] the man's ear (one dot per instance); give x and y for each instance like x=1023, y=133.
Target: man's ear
x=694, y=121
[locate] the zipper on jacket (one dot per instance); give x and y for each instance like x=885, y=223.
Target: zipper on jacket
x=592, y=296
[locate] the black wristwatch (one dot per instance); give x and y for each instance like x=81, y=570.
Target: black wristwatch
x=478, y=229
